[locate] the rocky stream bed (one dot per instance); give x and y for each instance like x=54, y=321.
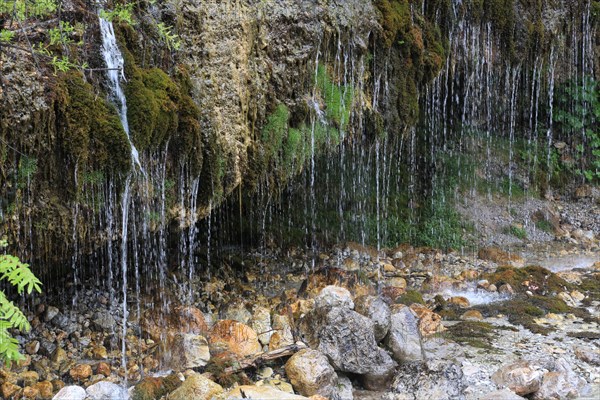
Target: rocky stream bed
x=407, y=323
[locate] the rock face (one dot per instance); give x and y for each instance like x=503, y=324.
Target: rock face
x=310, y=373
x=235, y=337
x=404, y=336
x=188, y=350
x=377, y=311
x=196, y=387
x=521, y=377
x=180, y=320
x=348, y=340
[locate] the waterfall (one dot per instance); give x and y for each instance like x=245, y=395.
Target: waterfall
x=114, y=64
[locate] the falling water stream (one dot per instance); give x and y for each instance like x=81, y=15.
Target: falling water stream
x=374, y=185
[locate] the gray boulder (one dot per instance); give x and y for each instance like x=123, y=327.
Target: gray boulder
x=404, y=336
x=104, y=321
x=310, y=373
x=377, y=311
x=334, y=296
x=348, y=340
x=521, y=377
x=70, y=393
x=107, y=391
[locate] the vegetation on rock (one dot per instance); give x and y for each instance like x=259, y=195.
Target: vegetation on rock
x=19, y=276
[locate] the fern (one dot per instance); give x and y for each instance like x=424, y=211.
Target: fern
x=20, y=276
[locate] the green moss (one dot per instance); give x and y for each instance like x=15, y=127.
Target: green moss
x=395, y=18
x=540, y=279
x=338, y=98
x=90, y=129
x=590, y=285
x=274, y=131
x=152, y=107
x=473, y=333
x=410, y=297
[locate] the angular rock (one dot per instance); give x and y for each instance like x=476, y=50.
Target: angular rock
x=29, y=378
x=235, y=337
x=310, y=373
x=104, y=321
x=282, y=334
x=70, y=393
x=521, y=377
x=343, y=390
x=377, y=311
x=50, y=313
x=348, y=340
x=32, y=347
x=506, y=289
x=334, y=296
x=187, y=350
x=196, y=387
x=99, y=353
x=261, y=323
x=404, y=337
x=58, y=356
x=155, y=388
x=556, y=386
x=80, y=372
x=429, y=322
x=8, y=390
x=107, y=391
x=444, y=381
x=30, y=393
x=44, y=389
x=238, y=312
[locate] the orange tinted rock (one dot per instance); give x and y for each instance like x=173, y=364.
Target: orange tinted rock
x=460, y=301
x=472, y=315
x=44, y=389
x=391, y=293
x=180, y=320
x=30, y=392
x=235, y=337
x=8, y=390
x=429, y=322
x=80, y=372
x=103, y=369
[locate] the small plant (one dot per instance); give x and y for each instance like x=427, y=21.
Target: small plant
x=544, y=226
x=516, y=231
x=6, y=36
x=123, y=13
x=20, y=276
x=61, y=34
x=168, y=37
x=578, y=112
